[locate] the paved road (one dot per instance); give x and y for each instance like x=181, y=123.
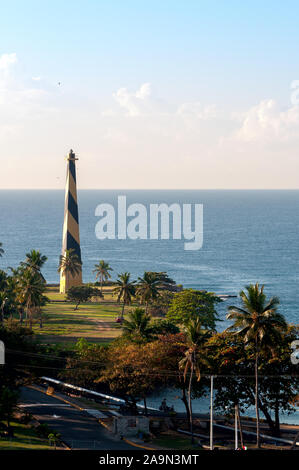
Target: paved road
x=77, y=428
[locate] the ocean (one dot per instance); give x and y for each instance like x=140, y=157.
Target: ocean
x=248, y=236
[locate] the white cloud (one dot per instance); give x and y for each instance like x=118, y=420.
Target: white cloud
x=193, y=144
x=267, y=122
x=6, y=60
x=36, y=79
x=197, y=111
x=135, y=103
x=144, y=91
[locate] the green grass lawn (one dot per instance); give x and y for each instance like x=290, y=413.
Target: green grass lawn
x=177, y=442
x=94, y=321
x=24, y=438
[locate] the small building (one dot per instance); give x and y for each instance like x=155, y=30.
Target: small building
x=130, y=425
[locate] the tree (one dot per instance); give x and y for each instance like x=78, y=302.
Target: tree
x=164, y=356
x=149, y=286
x=8, y=403
x=128, y=371
x=160, y=305
x=259, y=323
x=86, y=365
x=102, y=271
x=232, y=361
x=69, y=263
x=54, y=437
x=137, y=327
x=31, y=289
x=3, y=300
x=190, y=304
x=164, y=327
x=195, y=338
x=1, y=249
x=35, y=261
x=3, y=279
x=125, y=290
x=80, y=294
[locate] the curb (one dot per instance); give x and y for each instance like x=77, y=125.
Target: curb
x=56, y=396
x=137, y=445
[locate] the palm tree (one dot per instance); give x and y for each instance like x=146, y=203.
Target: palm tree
x=31, y=288
x=195, y=337
x=148, y=288
x=102, y=272
x=3, y=301
x=125, y=290
x=35, y=261
x=259, y=323
x=69, y=263
x=138, y=325
x=1, y=249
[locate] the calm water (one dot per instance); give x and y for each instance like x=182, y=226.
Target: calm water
x=249, y=236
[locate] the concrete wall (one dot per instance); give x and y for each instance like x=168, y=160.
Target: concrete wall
x=130, y=425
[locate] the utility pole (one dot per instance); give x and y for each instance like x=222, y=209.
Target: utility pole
x=236, y=427
x=211, y=414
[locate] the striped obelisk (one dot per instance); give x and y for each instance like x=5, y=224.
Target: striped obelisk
x=70, y=237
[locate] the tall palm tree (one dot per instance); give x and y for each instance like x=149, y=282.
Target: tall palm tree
x=102, y=272
x=35, y=261
x=1, y=249
x=148, y=288
x=259, y=323
x=195, y=337
x=69, y=263
x=125, y=290
x=138, y=325
x=31, y=288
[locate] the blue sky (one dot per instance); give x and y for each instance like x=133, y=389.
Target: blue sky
x=217, y=78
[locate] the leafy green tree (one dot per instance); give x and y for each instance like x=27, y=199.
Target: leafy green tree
x=70, y=263
x=160, y=305
x=102, y=272
x=232, y=362
x=3, y=301
x=8, y=295
x=86, y=365
x=8, y=403
x=54, y=438
x=35, y=261
x=164, y=327
x=150, y=285
x=125, y=290
x=190, y=304
x=137, y=326
x=3, y=280
x=128, y=371
x=259, y=323
x=81, y=294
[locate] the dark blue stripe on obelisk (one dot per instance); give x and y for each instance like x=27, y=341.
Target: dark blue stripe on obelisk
x=72, y=169
x=72, y=244
x=72, y=207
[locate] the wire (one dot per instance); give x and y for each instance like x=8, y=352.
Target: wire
x=170, y=373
